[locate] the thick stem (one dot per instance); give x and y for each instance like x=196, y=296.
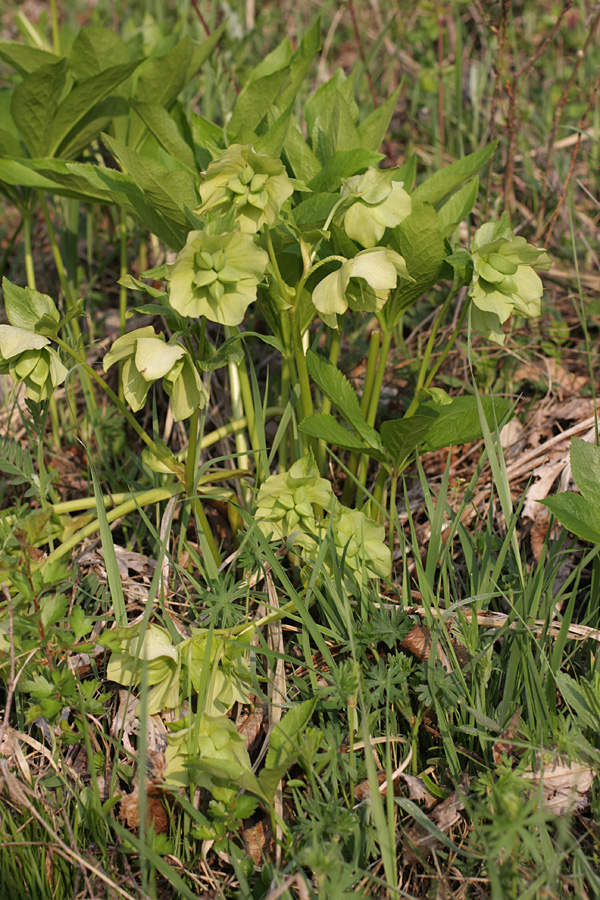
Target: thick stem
x=190, y=463
x=393, y=514
x=386, y=340
x=334, y=352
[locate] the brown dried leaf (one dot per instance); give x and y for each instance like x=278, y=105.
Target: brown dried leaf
x=565, y=785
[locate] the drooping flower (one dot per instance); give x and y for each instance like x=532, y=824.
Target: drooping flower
x=379, y=202
x=27, y=357
x=254, y=185
x=216, y=276
x=286, y=502
x=362, y=283
x=504, y=280
x=148, y=358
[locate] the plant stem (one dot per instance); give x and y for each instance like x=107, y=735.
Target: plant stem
x=370, y=373
x=155, y=495
x=450, y=343
x=386, y=340
x=429, y=350
x=190, y=463
x=55, y=28
x=334, y=352
x=393, y=513
x=300, y=358
x=29, y=269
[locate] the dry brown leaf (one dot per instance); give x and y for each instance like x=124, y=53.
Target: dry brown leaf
x=156, y=814
x=565, y=785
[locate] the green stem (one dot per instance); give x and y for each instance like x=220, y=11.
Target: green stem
x=29, y=270
x=370, y=373
x=201, y=515
x=450, y=343
x=393, y=513
x=386, y=340
x=301, y=367
x=334, y=352
x=428, y=351
x=155, y=495
x=190, y=463
x=55, y=28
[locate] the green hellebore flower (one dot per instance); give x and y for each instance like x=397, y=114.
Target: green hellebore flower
x=360, y=542
x=148, y=358
x=285, y=502
x=26, y=357
x=380, y=202
x=503, y=278
x=362, y=283
x=254, y=185
x=216, y=276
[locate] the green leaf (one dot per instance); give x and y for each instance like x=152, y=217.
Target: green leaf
x=326, y=428
x=162, y=78
x=458, y=422
x=34, y=104
x=320, y=106
x=418, y=239
x=458, y=207
x=582, y=698
x=160, y=124
x=338, y=389
x=25, y=306
x=401, y=436
x=585, y=465
x=23, y=58
x=301, y=158
x=95, y=49
x=373, y=129
x=343, y=164
x=314, y=210
x=283, y=745
x=53, y=608
x=577, y=514
x=81, y=100
x=272, y=141
x=255, y=100
x=171, y=194
x=444, y=182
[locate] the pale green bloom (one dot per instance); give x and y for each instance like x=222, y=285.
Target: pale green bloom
x=286, y=502
x=148, y=358
x=380, y=202
x=254, y=185
x=360, y=546
x=216, y=276
x=504, y=281
x=27, y=357
x=362, y=283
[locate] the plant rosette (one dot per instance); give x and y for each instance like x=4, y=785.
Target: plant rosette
x=147, y=358
x=362, y=283
x=216, y=276
x=251, y=184
x=504, y=280
x=285, y=502
x=377, y=202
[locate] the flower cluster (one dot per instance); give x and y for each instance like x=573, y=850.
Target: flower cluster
x=286, y=502
x=253, y=185
x=286, y=512
x=147, y=358
x=216, y=276
x=503, y=279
